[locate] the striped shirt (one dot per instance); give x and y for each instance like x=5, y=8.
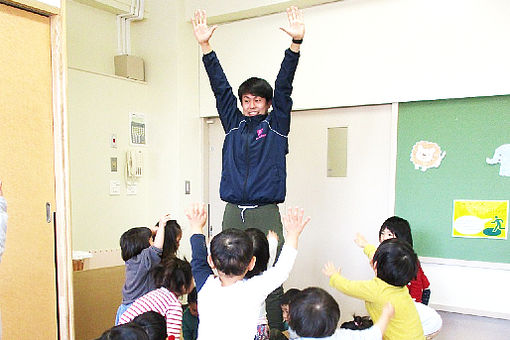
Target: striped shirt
x=162, y=301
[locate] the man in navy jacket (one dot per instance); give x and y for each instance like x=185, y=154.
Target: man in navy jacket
x=253, y=179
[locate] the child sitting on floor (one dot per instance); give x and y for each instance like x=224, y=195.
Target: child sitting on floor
x=394, y=264
x=190, y=317
x=228, y=305
x=397, y=227
x=173, y=278
x=140, y=257
x=314, y=314
x=286, y=299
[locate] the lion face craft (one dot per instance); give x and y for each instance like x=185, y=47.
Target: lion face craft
x=426, y=155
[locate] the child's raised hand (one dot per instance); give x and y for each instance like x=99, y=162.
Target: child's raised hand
x=360, y=240
x=162, y=222
x=272, y=235
x=329, y=269
x=294, y=224
x=197, y=216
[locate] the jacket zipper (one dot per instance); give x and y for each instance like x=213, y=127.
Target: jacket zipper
x=246, y=134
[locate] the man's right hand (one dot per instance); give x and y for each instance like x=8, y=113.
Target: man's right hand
x=201, y=31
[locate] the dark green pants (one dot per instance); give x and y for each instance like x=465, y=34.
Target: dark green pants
x=265, y=217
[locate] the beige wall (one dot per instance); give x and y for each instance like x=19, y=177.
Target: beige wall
x=99, y=105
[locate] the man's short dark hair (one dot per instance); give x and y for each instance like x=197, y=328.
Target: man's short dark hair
x=396, y=262
x=257, y=87
x=289, y=295
x=231, y=251
x=399, y=227
x=133, y=241
x=314, y=313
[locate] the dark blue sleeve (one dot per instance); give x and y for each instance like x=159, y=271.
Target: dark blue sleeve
x=282, y=102
x=199, y=266
x=226, y=101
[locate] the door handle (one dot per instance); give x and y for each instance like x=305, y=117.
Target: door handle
x=48, y=212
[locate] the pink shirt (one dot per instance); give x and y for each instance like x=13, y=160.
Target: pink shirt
x=162, y=301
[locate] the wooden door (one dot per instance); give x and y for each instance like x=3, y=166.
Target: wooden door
x=27, y=271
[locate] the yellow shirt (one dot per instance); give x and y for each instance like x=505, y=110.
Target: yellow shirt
x=405, y=325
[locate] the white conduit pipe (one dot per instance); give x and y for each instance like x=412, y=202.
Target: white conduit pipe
x=123, y=25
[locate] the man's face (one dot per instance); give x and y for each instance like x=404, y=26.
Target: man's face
x=254, y=105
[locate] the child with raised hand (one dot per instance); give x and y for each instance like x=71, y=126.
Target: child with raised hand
x=314, y=314
x=172, y=239
x=397, y=227
x=264, y=251
x=173, y=278
x=228, y=305
x=394, y=264
x=140, y=257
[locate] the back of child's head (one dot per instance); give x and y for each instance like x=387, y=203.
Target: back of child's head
x=289, y=295
x=127, y=331
x=399, y=227
x=260, y=251
x=396, y=262
x=231, y=252
x=314, y=313
x=173, y=234
x=133, y=241
x=359, y=323
x=174, y=274
x=257, y=87
x=153, y=323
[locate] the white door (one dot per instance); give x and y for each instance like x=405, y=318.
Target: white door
x=339, y=206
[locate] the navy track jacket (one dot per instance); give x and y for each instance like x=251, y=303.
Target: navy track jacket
x=254, y=149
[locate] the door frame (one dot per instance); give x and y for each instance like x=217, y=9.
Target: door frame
x=61, y=159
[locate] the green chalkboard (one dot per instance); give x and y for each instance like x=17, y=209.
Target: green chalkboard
x=469, y=130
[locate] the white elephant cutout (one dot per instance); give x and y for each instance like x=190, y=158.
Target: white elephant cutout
x=501, y=156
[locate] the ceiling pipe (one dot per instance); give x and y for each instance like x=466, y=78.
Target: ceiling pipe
x=123, y=25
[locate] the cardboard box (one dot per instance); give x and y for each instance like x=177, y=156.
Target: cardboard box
x=129, y=66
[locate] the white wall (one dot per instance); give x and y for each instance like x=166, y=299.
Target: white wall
x=99, y=105
x=370, y=52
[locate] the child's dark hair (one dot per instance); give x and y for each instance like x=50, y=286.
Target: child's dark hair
x=260, y=251
x=231, y=251
x=399, y=227
x=396, y=262
x=173, y=231
x=127, y=331
x=289, y=295
x=257, y=87
x=153, y=323
x=314, y=313
x=192, y=296
x=174, y=274
x=359, y=323
x=133, y=241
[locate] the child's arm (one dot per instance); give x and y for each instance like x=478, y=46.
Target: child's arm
x=365, y=290
x=197, y=216
x=294, y=224
x=272, y=278
x=3, y=221
x=159, y=240
x=362, y=242
x=272, y=239
x=387, y=313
